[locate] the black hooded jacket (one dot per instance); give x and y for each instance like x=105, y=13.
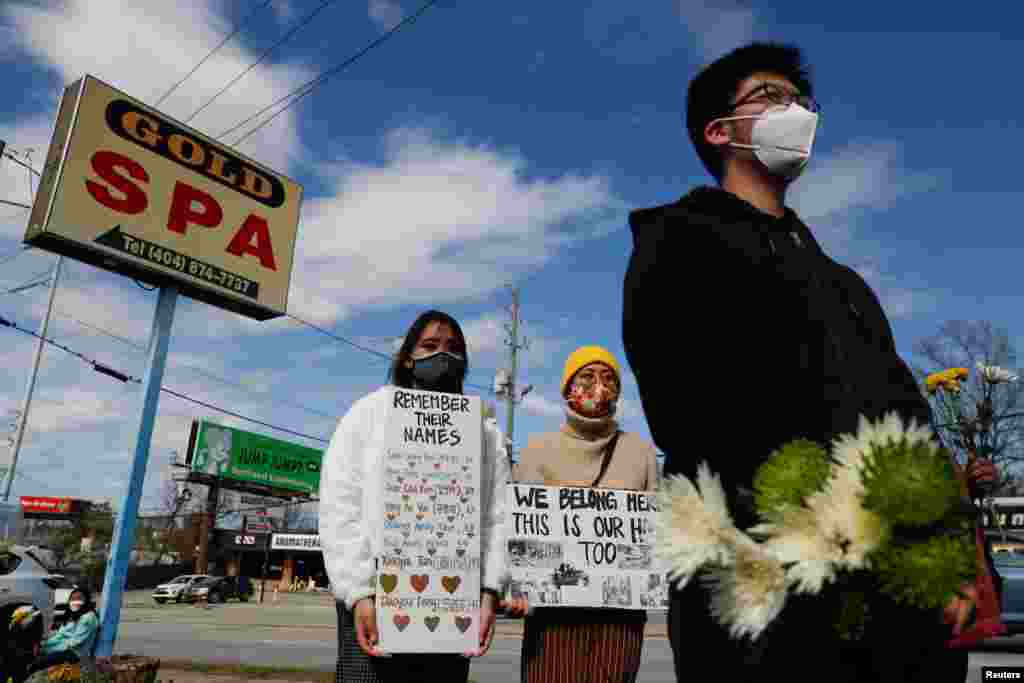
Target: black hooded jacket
x=744, y=335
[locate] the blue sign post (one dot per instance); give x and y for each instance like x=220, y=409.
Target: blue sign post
x=124, y=531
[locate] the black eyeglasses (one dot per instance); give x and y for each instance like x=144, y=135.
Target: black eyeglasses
x=775, y=94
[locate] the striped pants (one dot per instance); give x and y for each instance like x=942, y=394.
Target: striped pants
x=355, y=666
x=566, y=645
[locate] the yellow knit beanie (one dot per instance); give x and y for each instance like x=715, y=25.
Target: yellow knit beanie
x=585, y=355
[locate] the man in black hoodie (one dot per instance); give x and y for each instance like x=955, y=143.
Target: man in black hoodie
x=778, y=342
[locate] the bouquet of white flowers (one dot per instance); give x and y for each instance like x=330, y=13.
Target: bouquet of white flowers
x=883, y=510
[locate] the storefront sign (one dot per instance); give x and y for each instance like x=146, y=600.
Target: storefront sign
x=234, y=540
x=128, y=189
x=234, y=454
x=583, y=547
x=429, y=573
x=43, y=504
x=295, y=542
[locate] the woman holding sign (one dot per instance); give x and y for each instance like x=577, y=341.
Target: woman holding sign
x=432, y=358
x=588, y=451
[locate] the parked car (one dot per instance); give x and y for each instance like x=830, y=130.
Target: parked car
x=23, y=573
x=221, y=588
x=176, y=590
x=1010, y=565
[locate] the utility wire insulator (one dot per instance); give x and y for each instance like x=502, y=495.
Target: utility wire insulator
x=104, y=370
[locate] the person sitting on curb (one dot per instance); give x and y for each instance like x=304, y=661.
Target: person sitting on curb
x=74, y=641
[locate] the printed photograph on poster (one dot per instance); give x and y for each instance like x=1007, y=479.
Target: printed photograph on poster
x=655, y=592
x=534, y=554
x=583, y=547
x=632, y=557
x=617, y=591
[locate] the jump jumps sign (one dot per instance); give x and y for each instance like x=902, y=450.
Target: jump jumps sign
x=583, y=547
x=429, y=571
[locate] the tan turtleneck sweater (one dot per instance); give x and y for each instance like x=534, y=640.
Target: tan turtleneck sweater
x=572, y=457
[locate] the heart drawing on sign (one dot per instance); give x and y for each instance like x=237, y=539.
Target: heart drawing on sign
x=464, y=500
x=451, y=583
x=432, y=622
x=402, y=620
x=465, y=468
x=389, y=582
x=440, y=534
x=451, y=518
x=463, y=623
x=431, y=551
x=437, y=465
x=460, y=552
x=419, y=582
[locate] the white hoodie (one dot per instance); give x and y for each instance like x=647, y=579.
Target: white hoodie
x=350, y=509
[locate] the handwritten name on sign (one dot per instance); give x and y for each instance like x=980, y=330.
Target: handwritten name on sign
x=428, y=577
x=583, y=547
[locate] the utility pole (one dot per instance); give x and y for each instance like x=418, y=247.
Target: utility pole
x=30, y=386
x=505, y=383
x=209, y=519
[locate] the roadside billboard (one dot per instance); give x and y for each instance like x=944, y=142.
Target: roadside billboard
x=129, y=189
x=234, y=455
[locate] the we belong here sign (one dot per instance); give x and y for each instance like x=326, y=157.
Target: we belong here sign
x=583, y=547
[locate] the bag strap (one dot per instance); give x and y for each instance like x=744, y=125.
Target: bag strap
x=609, y=450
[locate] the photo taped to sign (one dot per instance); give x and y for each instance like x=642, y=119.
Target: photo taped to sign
x=128, y=189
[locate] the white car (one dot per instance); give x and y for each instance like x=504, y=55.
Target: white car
x=23, y=573
x=177, y=589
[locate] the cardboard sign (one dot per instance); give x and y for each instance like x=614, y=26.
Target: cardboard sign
x=583, y=547
x=128, y=189
x=428, y=576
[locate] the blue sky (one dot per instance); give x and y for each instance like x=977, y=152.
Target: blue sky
x=485, y=146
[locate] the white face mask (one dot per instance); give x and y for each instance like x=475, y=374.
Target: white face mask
x=75, y=606
x=782, y=138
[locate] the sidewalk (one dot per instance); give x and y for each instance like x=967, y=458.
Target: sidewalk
x=308, y=612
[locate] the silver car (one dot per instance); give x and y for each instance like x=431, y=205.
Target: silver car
x=176, y=590
x=23, y=573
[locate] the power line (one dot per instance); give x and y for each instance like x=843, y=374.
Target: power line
x=18, y=161
x=211, y=52
x=205, y=373
x=117, y=374
x=311, y=85
x=14, y=255
x=379, y=354
x=304, y=22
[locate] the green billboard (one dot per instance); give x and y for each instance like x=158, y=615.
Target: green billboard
x=233, y=454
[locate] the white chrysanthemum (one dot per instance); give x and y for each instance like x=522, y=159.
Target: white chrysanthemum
x=843, y=520
x=850, y=450
x=798, y=541
x=749, y=595
x=993, y=374
x=693, y=527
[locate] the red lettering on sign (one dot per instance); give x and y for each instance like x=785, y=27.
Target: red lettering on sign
x=241, y=243
x=182, y=213
x=106, y=165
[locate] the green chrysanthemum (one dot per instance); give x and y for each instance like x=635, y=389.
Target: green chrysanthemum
x=909, y=484
x=926, y=574
x=791, y=475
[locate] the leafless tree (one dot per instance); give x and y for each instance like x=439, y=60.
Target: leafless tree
x=963, y=344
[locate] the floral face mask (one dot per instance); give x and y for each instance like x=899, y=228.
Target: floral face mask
x=594, y=392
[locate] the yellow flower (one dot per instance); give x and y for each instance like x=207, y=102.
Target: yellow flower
x=948, y=380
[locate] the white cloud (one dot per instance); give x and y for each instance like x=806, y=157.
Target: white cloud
x=168, y=39
x=718, y=26
x=539, y=405
x=440, y=221
x=855, y=177
x=386, y=13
